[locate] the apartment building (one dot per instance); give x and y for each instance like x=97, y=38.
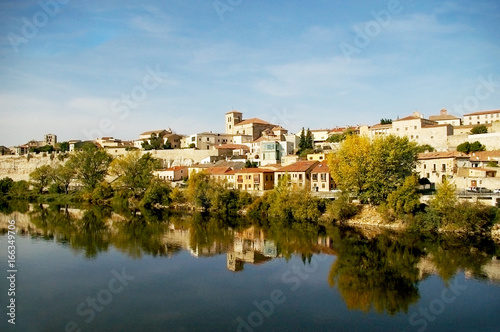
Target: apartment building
x=483, y=117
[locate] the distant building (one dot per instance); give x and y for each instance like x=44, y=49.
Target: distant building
x=235, y=125
x=445, y=118
x=51, y=139
x=299, y=173
x=483, y=117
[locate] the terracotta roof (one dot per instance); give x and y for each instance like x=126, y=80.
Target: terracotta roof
x=279, y=128
x=254, y=170
x=232, y=146
x=218, y=170
x=483, y=169
x=234, y=111
x=389, y=125
x=316, y=130
x=485, y=156
x=441, y=155
x=253, y=120
x=411, y=117
x=488, y=125
x=299, y=166
x=322, y=167
x=153, y=132
x=435, y=125
x=175, y=168
x=443, y=117
x=482, y=113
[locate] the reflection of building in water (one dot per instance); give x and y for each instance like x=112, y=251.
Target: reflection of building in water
x=250, y=246
x=490, y=270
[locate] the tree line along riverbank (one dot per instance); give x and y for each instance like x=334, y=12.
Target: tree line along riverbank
x=379, y=173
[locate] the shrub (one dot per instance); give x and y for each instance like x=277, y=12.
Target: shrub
x=341, y=210
x=158, y=192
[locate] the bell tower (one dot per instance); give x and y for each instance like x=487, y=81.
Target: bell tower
x=232, y=118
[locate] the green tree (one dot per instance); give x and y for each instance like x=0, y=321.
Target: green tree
x=391, y=160
x=63, y=146
x=445, y=199
x=374, y=169
x=479, y=129
x=349, y=164
x=302, y=140
x=250, y=164
x=41, y=177
x=467, y=147
x=90, y=165
x=62, y=176
x=406, y=198
x=309, y=143
x=133, y=171
x=20, y=187
x=6, y=185
x=385, y=121
x=199, y=188
x=158, y=192
x=425, y=148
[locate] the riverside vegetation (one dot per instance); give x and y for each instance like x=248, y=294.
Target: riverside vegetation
x=377, y=172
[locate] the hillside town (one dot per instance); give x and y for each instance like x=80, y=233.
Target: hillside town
x=253, y=154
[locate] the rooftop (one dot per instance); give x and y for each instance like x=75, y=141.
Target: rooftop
x=232, y=146
x=441, y=155
x=482, y=113
x=299, y=166
x=253, y=120
x=322, y=167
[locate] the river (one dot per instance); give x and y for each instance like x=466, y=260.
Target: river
x=98, y=270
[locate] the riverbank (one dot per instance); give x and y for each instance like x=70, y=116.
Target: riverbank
x=370, y=219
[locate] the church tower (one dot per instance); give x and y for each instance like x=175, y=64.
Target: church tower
x=232, y=118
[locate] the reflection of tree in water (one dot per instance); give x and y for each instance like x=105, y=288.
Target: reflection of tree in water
x=450, y=254
x=209, y=234
x=377, y=273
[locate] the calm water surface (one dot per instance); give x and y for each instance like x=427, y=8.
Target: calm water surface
x=96, y=270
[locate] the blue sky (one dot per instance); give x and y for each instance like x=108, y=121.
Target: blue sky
x=84, y=68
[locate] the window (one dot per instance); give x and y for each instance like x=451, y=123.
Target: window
x=434, y=167
x=315, y=177
x=425, y=166
x=193, y=139
x=415, y=127
x=323, y=176
x=300, y=177
x=323, y=185
x=443, y=167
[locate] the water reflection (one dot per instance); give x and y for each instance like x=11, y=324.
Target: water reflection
x=372, y=271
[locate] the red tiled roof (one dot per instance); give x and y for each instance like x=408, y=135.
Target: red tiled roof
x=483, y=169
x=411, y=117
x=322, y=167
x=176, y=168
x=218, y=170
x=299, y=166
x=153, y=132
x=482, y=113
x=253, y=120
x=443, y=117
x=279, y=128
x=485, y=155
x=254, y=170
x=441, y=155
x=232, y=146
